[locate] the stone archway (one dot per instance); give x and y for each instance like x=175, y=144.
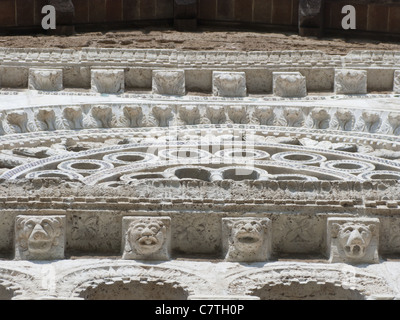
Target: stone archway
x=130, y=281
x=302, y=281
x=307, y=291
x=135, y=290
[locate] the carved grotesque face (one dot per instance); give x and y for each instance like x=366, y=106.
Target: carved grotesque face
x=354, y=238
x=37, y=234
x=147, y=236
x=248, y=235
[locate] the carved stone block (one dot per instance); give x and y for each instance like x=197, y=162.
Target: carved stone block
x=229, y=84
x=353, y=240
x=108, y=81
x=289, y=84
x=45, y=79
x=171, y=82
x=246, y=239
x=146, y=238
x=396, y=83
x=348, y=81
x=39, y=237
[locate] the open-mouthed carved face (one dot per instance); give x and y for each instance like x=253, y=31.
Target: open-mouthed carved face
x=355, y=238
x=248, y=235
x=147, y=236
x=38, y=235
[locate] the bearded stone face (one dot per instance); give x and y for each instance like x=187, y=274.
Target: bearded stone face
x=147, y=236
x=37, y=237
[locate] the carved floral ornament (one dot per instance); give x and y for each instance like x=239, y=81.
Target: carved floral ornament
x=91, y=116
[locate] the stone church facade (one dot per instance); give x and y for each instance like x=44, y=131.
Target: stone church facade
x=163, y=174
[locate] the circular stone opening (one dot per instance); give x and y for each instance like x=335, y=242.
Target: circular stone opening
x=243, y=153
x=378, y=176
x=130, y=158
x=53, y=175
x=347, y=166
x=288, y=177
x=193, y=173
x=147, y=176
x=85, y=166
x=185, y=154
x=298, y=157
x=240, y=174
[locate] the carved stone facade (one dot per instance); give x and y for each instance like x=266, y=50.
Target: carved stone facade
x=112, y=193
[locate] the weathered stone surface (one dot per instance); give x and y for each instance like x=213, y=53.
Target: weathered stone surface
x=220, y=184
x=108, y=81
x=396, y=84
x=46, y=79
x=246, y=239
x=348, y=81
x=229, y=84
x=170, y=82
x=146, y=238
x=353, y=240
x=289, y=84
x=39, y=237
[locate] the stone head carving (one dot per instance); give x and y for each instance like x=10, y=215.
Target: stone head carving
x=39, y=237
x=353, y=240
x=146, y=238
x=246, y=239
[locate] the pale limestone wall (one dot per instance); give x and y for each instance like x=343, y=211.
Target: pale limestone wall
x=166, y=194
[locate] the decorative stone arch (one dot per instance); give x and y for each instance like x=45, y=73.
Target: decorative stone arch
x=130, y=281
x=302, y=282
x=14, y=283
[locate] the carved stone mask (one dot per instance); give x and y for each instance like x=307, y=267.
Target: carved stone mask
x=247, y=235
x=354, y=238
x=147, y=236
x=38, y=234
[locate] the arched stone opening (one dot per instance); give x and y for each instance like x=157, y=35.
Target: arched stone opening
x=307, y=291
x=135, y=290
x=193, y=173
